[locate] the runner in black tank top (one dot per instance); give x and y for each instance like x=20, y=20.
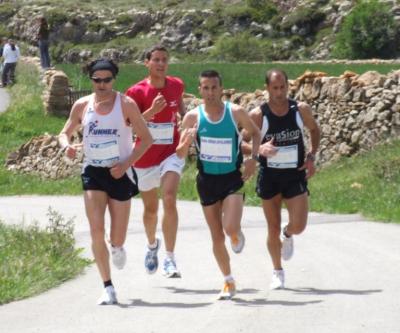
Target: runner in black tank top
x=284, y=167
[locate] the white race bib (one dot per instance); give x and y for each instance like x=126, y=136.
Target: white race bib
x=162, y=133
x=285, y=158
x=103, y=153
x=218, y=150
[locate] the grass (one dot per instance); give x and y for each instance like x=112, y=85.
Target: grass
x=242, y=77
x=368, y=183
x=34, y=260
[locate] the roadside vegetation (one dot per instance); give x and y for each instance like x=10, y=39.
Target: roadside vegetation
x=33, y=260
x=368, y=183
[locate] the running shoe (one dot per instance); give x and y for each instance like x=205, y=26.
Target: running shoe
x=170, y=270
x=118, y=257
x=287, y=248
x=151, y=259
x=228, y=291
x=237, y=242
x=278, y=279
x=108, y=297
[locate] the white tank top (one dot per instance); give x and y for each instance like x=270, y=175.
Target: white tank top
x=107, y=139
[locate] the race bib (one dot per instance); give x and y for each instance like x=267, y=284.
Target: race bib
x=218, y=150
x=103, y=153
x=162, y=133
x=285, y=158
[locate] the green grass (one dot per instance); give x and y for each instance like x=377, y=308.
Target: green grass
x=34, y=260
x=242, y=77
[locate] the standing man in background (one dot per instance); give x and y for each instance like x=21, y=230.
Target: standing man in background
x=43, y=36
x=285, y=167
x=159, y=98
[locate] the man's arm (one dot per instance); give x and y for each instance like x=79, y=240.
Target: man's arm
x=74, y=120
x=134, y=118
x=244, y=121
x=188, y=135
x=315, y=136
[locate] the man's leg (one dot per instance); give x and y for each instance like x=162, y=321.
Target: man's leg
x=169, y=189
x=272, y=212
x=232, y=208
x=95, y=204
x=213, y=215
x=150, y=203
x=298, y=212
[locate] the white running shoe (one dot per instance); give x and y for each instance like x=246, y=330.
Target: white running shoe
x=287, y=248
x=228, y=291
x=170, y=269
x=237, y=242
x=278, y=279
x=118, y=257
x=108, y=297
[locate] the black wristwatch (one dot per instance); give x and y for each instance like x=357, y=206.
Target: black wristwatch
x=310, y=157
x=255, y=157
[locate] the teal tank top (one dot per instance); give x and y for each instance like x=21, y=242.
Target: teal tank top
x=218, y=143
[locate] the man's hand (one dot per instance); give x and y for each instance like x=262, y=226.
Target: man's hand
x=117, y=171
x=159, y=103
x=268, y=149
x=250, y=166
x=70, y=150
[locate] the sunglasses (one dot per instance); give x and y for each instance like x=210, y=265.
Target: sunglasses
x=99, y=80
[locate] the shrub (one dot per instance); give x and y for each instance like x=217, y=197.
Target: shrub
x=241, y=47
x=369, y=31
x=302, y=16
x=56, y=17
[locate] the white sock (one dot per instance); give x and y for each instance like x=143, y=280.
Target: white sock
x=228, y=278
x=152, y=246
x=170, y=255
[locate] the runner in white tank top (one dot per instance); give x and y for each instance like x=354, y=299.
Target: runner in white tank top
x=109, y=120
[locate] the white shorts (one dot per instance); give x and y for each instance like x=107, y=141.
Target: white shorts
x=149, y=178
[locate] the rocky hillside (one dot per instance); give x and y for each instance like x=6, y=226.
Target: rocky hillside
x=290, y=30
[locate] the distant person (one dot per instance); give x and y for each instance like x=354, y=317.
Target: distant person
x=214, y=127
x=3, y=41
x=159, y=98
x=11, y=55
x=109, y=119
x=43, y=42
x=285, y=167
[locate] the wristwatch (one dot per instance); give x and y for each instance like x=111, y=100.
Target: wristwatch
x=255, y=157
x=310, y=157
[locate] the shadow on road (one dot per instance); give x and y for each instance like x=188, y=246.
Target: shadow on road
x=139, y=302
x=314, y=291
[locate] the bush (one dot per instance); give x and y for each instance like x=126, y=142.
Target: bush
x=56, y=17
x=304, y=16
x=368, y=32
x=241, y=47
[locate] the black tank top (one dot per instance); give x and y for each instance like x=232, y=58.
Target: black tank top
x=287, y=132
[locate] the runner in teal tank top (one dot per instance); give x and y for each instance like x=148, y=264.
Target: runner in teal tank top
x=218, y=143
x=214, y=128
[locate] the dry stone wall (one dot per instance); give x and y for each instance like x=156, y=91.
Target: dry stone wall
x=355, y=113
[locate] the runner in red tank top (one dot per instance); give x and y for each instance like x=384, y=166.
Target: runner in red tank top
x=159, y=98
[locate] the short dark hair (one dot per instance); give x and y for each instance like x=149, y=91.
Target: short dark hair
x=210, y=73
x=154, y=49
x=275, y=71
x=102, y=64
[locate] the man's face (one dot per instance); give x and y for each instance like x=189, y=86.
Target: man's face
x=102, y=81
x=277, y=88
x=157, y=64
x=210, y=90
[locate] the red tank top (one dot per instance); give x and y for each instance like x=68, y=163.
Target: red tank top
x=163, y=125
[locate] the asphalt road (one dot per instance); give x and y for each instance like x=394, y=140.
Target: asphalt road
x=344, y=277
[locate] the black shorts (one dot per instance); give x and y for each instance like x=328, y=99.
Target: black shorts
x=100, y=179
x=267, y=187
x=213, y=188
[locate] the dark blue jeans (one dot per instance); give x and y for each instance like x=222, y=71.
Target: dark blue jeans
x=8, y=75
x=44, y=53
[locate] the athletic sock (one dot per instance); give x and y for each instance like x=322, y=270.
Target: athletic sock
x=228, y=278
x=170, y=255
x=107, y=283
x=152, y=246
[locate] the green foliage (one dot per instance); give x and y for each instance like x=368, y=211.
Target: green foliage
x=369, y=31
x=241, y=47
x=124, y=19
x=309, y=16
x=56, y=17
x=7, y=10
x=262, y=10
x=33, y=260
